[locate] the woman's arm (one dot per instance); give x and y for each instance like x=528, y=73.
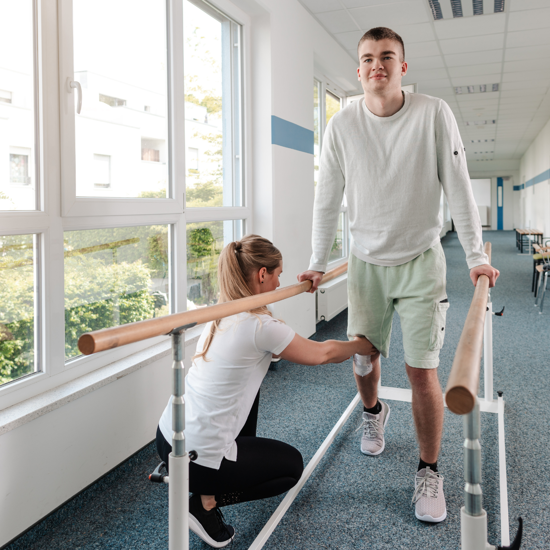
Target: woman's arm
x=307, y=352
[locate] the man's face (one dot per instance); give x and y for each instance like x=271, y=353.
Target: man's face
x=380, y=67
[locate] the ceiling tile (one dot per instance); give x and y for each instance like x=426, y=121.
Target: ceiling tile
x=532, y=65
x=349, y=39
x=517, y=5
x=525, y=76
x=421, y=49
x=476, y=70
x=473, y=58
x=391, y=15
x=421, y=63
x=473, y=80
x=319, y=6
x=438, y=83
x=337, y=21
x=529, y=19
x=518, y=54
x=473, y=44
x=536, y=37
x=412, y=34
x=540, y=85
x=483, y=98
x=527, y=94
x=470, y=26
x=428, y=74
x=367, y=3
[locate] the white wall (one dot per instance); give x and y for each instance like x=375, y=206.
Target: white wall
x=533, y=209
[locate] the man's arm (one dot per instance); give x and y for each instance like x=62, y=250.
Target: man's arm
x=328, y=198
x=453, y=174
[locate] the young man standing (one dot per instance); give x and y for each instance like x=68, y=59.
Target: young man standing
x=393, y=153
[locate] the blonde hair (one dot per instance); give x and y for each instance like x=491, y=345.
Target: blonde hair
x=237, y=264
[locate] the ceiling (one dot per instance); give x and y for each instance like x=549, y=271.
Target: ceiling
x=448, y=47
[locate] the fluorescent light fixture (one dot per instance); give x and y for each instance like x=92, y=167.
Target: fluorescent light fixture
x=483, y=88
x=435, y=6
x=470, y=89
x=478, y=7
x=458, y=90
x=495, y=87
x=456, y=6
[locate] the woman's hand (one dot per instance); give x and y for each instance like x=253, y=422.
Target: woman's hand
x=366, y=348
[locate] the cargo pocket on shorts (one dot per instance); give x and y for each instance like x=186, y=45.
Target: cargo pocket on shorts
x=438, y=325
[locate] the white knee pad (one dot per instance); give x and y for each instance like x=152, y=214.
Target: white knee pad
x=362, y=364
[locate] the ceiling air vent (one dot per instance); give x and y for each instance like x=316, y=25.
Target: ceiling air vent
x=450, y=9
x=479, y=88
x=480, y=122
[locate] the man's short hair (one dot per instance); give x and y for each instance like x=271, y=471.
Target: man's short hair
x=380, y=33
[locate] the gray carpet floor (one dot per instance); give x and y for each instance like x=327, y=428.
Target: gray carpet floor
x=353, y=501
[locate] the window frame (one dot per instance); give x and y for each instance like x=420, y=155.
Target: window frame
x=58, y=209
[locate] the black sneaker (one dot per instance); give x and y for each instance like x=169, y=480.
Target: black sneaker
x=209, y=526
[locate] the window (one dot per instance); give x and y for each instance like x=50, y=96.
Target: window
x=205, y=241
x=18, y=181
x=212, y=107
x=116, y=251
x=102, y=171
x=5, y=96
x=19, y=169
x=326, y=104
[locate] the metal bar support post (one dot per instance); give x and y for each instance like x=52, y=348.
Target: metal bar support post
x=473, y=524
x=178, y=461
x=488, y=351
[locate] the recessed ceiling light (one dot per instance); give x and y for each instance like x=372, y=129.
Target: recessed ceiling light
x=479, y=8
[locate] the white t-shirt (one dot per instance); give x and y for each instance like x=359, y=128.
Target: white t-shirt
x=392, y=170
x=220, y=392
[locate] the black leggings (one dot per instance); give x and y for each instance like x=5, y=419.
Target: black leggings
x=264, y=467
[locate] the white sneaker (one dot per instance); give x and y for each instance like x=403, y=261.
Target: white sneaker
x=428, y=496
x=372, y=441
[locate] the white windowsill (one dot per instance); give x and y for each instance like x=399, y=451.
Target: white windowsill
x=26, y=411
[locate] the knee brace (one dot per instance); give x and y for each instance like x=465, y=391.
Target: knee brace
x=362, y=364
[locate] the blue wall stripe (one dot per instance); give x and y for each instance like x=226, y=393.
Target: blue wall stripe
x=538, y=179
x=519, y=187
x=500, y=207
x=288, y=134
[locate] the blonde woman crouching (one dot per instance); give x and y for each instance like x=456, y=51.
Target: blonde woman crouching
x=223, y=390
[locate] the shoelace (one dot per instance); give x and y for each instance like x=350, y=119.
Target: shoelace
x=221, y=520
x=371, y=428
x=428, y=486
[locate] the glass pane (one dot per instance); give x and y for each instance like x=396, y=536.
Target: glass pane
x=17, y=299
x=333, y=105
x=113, y=277
x=316, y=130
x=337, y=251
x=205, y=241
x=17, y=166
x=211, y=118
x=121, y=135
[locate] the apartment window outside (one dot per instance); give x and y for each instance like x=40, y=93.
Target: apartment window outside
x=212, y=108
x=19, y=169
x=18, y=182
x=102, y=171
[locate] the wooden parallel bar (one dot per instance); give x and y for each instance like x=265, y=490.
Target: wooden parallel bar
x=463, y=383
x=109, y=338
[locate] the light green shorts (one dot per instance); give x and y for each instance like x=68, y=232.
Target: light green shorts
x=416, y=290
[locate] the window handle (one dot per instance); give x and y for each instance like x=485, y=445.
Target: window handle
x=75, y=84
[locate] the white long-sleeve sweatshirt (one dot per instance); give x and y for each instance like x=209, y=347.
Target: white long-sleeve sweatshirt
x=393, y=170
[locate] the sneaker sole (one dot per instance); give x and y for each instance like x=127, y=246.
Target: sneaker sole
x=198, y=529
x=431, y=519
x=383, y=446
